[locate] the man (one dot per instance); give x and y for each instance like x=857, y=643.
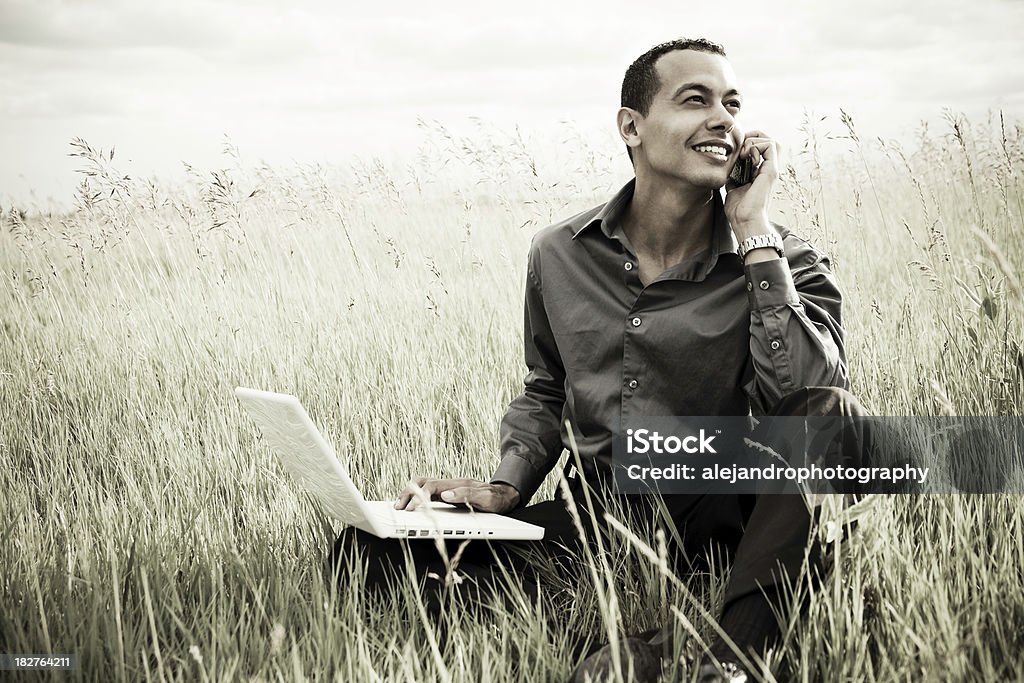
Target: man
x=669, y=301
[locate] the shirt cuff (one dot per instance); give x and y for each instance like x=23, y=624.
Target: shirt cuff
x=770, y=284
x=518, y=472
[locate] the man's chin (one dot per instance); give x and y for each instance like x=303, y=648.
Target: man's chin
x=707, y=178
x=712, y=179
x=714, y=182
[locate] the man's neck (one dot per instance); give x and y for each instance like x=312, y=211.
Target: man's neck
x=668, y=224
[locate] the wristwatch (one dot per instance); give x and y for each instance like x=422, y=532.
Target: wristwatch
x=770, y=239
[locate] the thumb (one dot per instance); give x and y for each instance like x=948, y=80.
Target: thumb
x=478, y=498
x=459, y=494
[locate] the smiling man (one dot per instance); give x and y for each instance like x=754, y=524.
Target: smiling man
x=666, y=300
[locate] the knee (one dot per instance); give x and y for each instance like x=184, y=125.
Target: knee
x=835, y=401
x=820, y=401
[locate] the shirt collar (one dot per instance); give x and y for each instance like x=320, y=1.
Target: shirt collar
x=610, y=215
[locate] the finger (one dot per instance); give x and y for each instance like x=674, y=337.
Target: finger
x=763, y=153
x=404, y=498
x=424, y=489
x=750, y=144
x=405, y=495
x=766, y=146
x=476, y=497
x=770, y=162
x=409, y=500
x=754, y=137
x=416, y=493
x=433, y=489
x=766, y=150
x=459, y=494
x=420, y=496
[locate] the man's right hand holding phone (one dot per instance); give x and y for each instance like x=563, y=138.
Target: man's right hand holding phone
x=477, y=495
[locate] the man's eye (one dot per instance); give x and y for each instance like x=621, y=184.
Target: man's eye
x=695, y=98
x=733, y=104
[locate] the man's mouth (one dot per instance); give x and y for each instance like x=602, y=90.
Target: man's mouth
x=715, y=150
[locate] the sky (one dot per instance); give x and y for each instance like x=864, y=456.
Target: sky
x=165, y=80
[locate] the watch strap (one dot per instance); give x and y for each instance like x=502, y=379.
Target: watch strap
x=771, y=239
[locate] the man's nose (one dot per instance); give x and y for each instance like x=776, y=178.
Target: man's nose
x=720, y=118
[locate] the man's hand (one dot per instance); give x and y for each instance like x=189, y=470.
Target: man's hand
x=478, y=495
x=746, y=206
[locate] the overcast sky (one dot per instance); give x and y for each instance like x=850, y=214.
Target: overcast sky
x=164, y=80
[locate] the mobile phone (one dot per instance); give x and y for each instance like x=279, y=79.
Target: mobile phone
x=743, y=172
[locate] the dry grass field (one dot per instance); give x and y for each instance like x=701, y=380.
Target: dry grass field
x=147, y=530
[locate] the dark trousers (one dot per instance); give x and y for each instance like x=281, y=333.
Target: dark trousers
x=766, y=536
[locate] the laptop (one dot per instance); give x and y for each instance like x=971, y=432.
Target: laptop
x=307, y=456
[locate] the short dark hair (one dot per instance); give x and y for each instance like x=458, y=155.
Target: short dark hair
x=641, y=83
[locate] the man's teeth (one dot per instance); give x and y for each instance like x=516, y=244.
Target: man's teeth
x=717, y=151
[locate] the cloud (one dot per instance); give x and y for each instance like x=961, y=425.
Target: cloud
x=117, y=23
x=493, y=43
x=304, y=72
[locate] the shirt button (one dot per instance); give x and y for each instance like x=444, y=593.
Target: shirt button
x=633, y=384
x=750, y=286
x=636, y=322
x=764, y=284
x=776, y=344
x=628, y=266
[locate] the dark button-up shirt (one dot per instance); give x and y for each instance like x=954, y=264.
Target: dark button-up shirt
x=709, y=336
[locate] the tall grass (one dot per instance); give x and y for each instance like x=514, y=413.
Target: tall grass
x=146, y=529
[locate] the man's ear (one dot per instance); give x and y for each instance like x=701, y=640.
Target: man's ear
x=627, y=125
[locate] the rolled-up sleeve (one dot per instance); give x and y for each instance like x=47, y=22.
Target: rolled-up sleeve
x=531, y=442
x=796, y=333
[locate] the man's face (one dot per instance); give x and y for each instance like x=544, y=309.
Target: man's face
x=690, y=133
